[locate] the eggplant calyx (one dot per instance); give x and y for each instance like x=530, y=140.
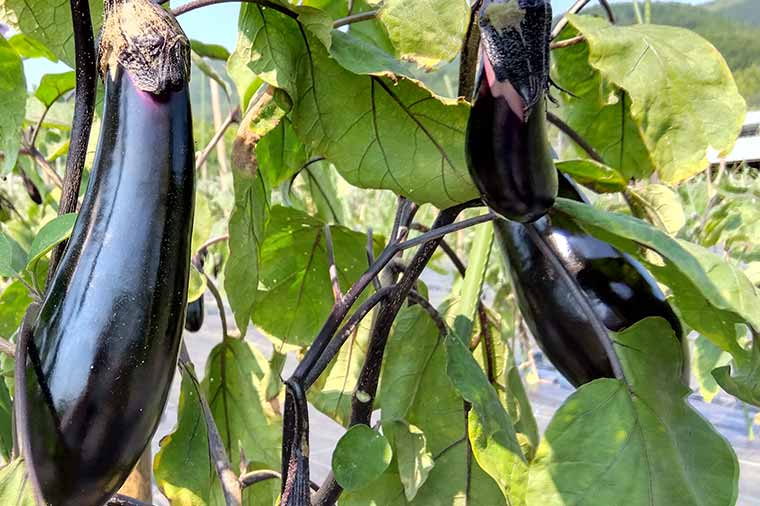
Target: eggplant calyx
x=147, y=42
x=515, y=42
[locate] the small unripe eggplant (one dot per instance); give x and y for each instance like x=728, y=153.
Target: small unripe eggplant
x=617, y=289
x=104, y=347
x=195, y=311
x=507, y=148
x=31, y=189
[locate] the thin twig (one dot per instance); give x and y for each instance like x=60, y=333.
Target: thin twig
x=7, y=347
x=219, y=304
x=417, y=298
x=371, y=257
x=197, y=4
x=214, y=240
x=331, y=267
x=38, y=125
x=355, y=18
x=468, y=60
x=231, y=487
x=84, y=107
x=232, y=117
x=572, y=41
x=39, y=158
x=575, y=136
x=575, y=9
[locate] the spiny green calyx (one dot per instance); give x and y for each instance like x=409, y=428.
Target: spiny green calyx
x=148, y=42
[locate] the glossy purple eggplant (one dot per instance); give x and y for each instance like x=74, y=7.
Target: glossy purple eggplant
x=507, y=148
x=619, y=291
x=105, y=344
x=195, y=310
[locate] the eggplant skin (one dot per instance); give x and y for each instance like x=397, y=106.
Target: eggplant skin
x=195, y=311
x=106, y=341
x=510, y=159
x=618, y=288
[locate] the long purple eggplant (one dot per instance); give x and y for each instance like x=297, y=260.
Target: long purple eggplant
x=554, y=264
x=105, y=344
x=507, y=149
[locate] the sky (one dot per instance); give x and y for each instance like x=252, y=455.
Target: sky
x=214, y=24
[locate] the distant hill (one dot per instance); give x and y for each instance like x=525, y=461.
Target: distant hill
x=738, y=42
x=743, y=11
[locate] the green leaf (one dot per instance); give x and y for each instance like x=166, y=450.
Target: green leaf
x=213, y=51
x=362, y=57
x=12, y=256
x=428, y=32
x=464, y=311
x=14, y=300
x=28, y=47
x=414, y=382
x=48, y=22
x=12, y=103
x=6, y=422
x=360, y=457
x=248, y=220
x=196, y=286
x=15, y=488
x=203, y=221
x=296, y=295
x=599, y=112
x=660, y=206
x=183, y=468
x=705, y=359
x=281, y=154
x=683, y=97
x=711, y=296
x=54, y=86
x=378, y=132
x=52, y=233
x=599, y=177
x=412, y=455
x=520, y=410
x=491, y=431
x=641, y=441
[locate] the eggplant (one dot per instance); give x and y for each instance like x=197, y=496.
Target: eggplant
x=31, y=189
x=507, y=149
x=553, y=263
x=195, y=311
x=104, y=347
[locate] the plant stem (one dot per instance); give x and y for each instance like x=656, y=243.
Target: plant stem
x=572, y=41
x=417, y=298
x=212, y=241
x=575, y=136
x=219, y=304
x=331, y=266
x=355, y=18
x=39, y=158
x=197, y=4
x=84, y=107
x=232, y=117
x=575, y=9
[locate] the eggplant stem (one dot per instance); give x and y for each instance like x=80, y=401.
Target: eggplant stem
x=469, y=57
x=84, y=108
x=232, y=117
x=214, y=240
x=331, y=266
x=415, y=297
x=581, y=300
x=356, y=18
x=575, y=9
x=574, y=136
x=219, y=304
x=40, y=159
x=572, y=41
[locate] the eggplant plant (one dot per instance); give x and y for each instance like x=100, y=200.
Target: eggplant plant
x=394, y=244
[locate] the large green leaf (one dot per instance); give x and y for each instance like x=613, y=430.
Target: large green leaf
x=248, y=220
x=296, y=295
x=598, y=112
x=429, y=32
x=378, y=132
x=711, y=295
x=683, y=97
x=595, y=175
x=183, y=467
x=48, y=21
x=12, y=103
x=659, y=205
x=706, y=357
x=15, y=488
x=360, y=457
x=640, y=441
x=412, y=455
x=28, y=47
